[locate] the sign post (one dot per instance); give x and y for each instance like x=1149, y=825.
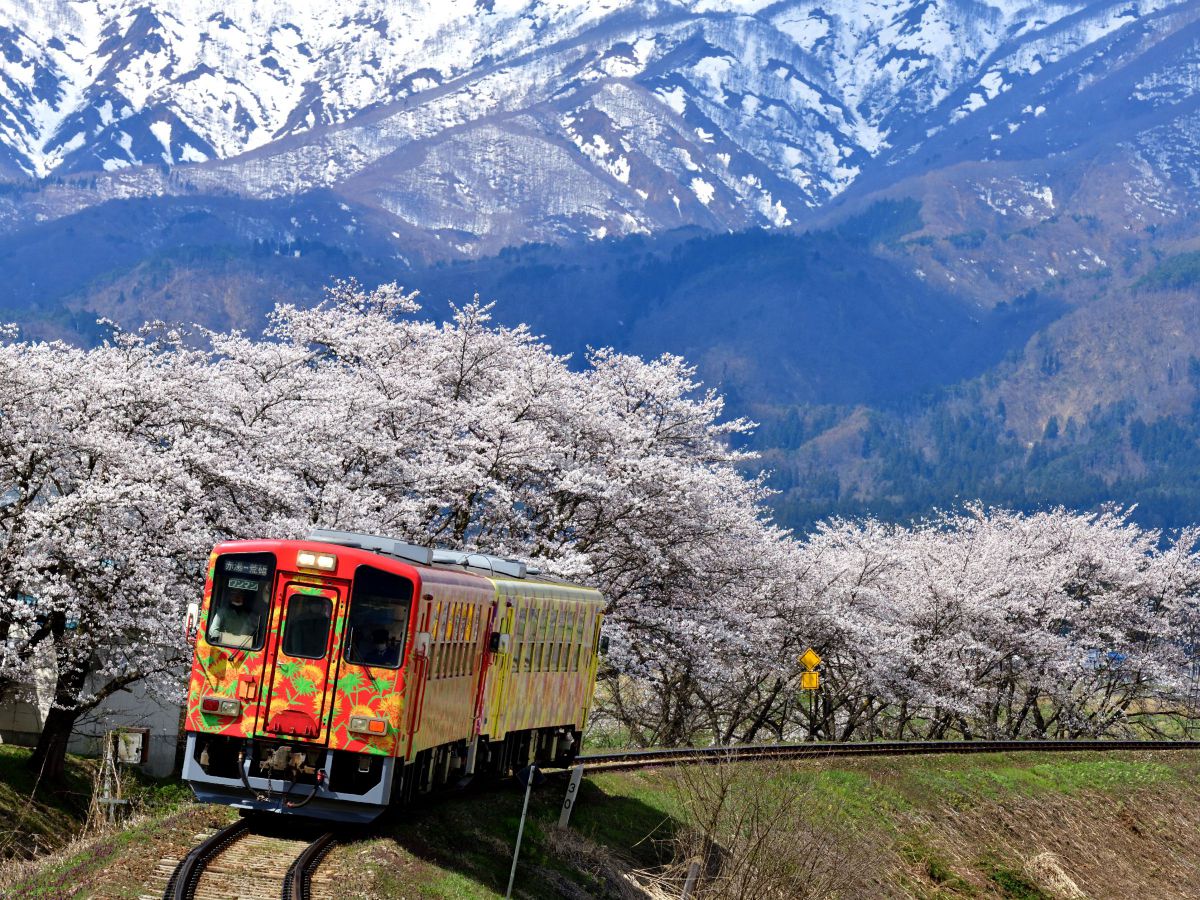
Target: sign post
x=520, y=831
x=810, y=680
x=572, y=794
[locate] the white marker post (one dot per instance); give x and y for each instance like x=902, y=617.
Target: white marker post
x=520, y=831
x=572, y=793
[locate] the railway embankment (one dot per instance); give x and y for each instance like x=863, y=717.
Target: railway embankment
x=1012, y=825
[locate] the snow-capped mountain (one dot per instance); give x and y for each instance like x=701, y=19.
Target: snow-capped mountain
x=486, y=123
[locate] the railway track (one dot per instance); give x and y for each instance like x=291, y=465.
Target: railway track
x=640, y=759
x=258, y=860
x=248, y=861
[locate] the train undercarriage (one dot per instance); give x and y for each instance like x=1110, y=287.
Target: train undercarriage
x=293, y=777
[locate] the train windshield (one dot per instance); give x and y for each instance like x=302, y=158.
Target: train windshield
x=240, y=599
x=378, y=623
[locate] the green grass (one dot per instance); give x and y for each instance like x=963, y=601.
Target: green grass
x=928, y=826
x=1011, y=883
x=35, y=815
x=465, y=846
x=931, y=864
x=853, y=795
x=993, y=775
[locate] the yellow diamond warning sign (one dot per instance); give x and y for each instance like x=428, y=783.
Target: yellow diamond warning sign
x=810, y=660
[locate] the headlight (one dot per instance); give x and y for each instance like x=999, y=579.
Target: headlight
x=310, y=559
x=368, y=725
x=220, y=706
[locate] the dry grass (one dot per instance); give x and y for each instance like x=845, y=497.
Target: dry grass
x=760, y=834
x=1061, y=846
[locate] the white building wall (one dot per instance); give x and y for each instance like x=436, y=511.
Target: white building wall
x=133, y=708
x=22, y=715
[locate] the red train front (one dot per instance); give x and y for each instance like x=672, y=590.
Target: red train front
x=316, y=690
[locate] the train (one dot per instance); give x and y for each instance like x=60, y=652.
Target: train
x=336, y=676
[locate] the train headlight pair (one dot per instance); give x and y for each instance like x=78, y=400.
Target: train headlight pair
x=310, y=559
x=220, y=706
x=368, y=725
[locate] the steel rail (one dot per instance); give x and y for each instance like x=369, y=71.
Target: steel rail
x=185, y=878
x=297, y=884
x=637, y=759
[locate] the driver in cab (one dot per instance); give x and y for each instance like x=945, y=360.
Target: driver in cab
x=235, y=624
x=377, y=649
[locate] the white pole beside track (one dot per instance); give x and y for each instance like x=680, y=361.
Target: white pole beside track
x=692, y=875
x=512, y=875
x=572, y=795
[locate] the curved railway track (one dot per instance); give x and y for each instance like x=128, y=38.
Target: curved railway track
x=250, y=863
x=639, y=759
x=258, y=860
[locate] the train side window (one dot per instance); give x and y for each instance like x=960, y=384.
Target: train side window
x=528, y=636
x=564, y=635
x=535, y=641
x=469, y=647
x=466, y=639
x=568, y=639
x=547, y=615
x=518, y=638
x=435, y=614
x=451, y=617
x=552, y=639
x=585, y=615
x=543, y=624
x=580, y=628
x=456, y=637
x=572, y=627
x=377, y=627
x=440, y=640
x=461, y=636
x=241, y=600
x=444, y=648
x=559, y=624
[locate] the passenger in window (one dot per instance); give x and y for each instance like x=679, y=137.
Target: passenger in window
x=236, y=623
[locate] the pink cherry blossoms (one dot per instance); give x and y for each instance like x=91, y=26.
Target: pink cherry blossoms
x=121, y=466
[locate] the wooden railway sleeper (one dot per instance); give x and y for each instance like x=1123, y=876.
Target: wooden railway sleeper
x=183, y=881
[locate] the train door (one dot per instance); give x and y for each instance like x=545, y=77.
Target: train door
x=300, y=665
x=499, y=667
x=416, y=679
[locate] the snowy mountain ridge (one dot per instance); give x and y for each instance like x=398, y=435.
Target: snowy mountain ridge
x=491, y=122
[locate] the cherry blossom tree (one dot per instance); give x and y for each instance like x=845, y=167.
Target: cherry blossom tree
x=992, y=623
x=122, y=465
x=100, y=534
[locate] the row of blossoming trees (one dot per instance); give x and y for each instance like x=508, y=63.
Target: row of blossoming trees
x=120, y=466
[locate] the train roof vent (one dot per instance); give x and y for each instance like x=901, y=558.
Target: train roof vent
x=496, y=565
x=390, y=546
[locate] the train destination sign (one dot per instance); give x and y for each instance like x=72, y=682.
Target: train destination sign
x=243, y=567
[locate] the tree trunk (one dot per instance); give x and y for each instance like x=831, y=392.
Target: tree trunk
x=50, y=756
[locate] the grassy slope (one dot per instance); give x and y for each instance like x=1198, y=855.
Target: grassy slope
x=45, y=820
x=41, y=819
x=1015, y=826
x=990, y=826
